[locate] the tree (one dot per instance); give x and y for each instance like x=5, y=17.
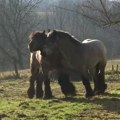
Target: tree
x=17, y=19
x=104, y=12
x=92, y=19
x=62, y=18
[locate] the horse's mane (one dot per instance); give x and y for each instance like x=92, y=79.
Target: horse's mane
x=35, y=34
x=72, y=38
x=32, y=34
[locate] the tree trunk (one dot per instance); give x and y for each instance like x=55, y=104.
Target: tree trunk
x=17, y=75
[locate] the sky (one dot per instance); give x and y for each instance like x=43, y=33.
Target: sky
x=114, y=0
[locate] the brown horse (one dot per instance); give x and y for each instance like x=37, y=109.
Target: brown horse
x=86, y=58
x=36, y=75
x=48, y=64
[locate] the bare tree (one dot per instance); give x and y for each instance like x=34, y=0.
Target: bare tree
x=104, y=12
x=66, y=16
x=17, y=18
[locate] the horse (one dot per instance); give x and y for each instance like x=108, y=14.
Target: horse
x=47, y=65
x=86, y=58
x=36, y=75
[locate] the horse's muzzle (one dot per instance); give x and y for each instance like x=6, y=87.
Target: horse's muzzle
x=47, y=51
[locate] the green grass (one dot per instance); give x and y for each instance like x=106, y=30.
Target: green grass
x=15, y=105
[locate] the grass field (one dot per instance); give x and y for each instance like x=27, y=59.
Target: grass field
x=15, y=105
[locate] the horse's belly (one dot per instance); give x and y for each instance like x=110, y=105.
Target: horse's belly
x=73, y=66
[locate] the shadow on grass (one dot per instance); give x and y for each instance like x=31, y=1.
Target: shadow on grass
x=74, y=99
x=111, y=95
x=110, y=103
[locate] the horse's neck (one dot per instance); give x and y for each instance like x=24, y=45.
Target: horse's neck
x=69, y=52
x=67, y=45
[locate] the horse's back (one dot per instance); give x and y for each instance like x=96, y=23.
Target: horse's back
x=96, y=49
x=95, y=43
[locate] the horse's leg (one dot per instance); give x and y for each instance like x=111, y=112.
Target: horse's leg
x=101, y=79
x=67, y=87
x=94, y=74
x=31, y=89
x=39, y=81
x=47, y=88
x=88, y=88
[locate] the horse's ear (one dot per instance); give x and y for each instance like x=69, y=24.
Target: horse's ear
x=54, y=30
x=43, y=31
x=31, y=36
x=48, y=30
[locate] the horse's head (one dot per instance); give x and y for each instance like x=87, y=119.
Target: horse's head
x=50, y=43
x=53, y=39
x=37, y=40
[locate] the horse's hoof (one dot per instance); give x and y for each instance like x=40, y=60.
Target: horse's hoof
x=70, y=95
x=74, y=94
x=101, y=90
x=97, y=92
x=92, y=98
x=30, y=96
x=39, y=97
x=47, y=97
x=30, y=93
